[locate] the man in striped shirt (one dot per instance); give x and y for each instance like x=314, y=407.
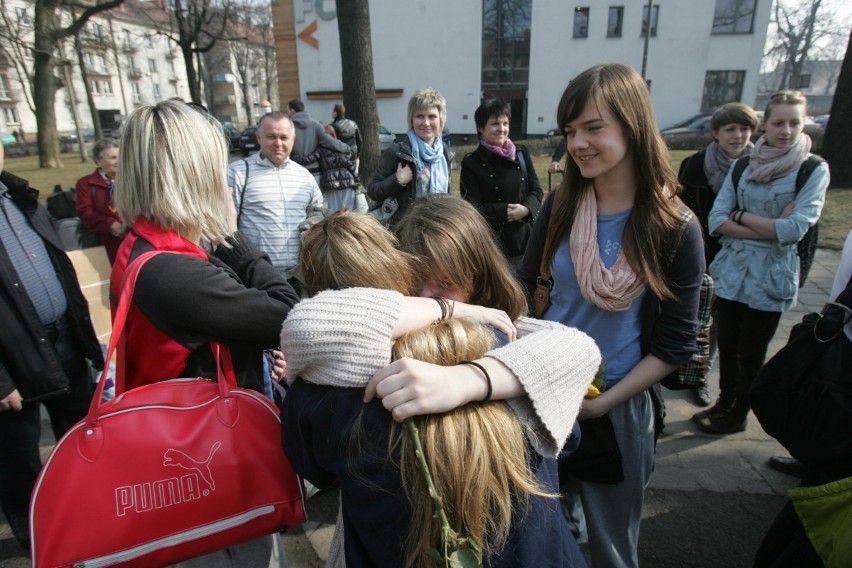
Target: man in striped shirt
x=272, y=193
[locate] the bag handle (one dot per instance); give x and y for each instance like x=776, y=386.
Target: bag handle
x=225, y=377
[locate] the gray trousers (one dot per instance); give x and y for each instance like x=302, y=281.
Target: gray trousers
x=264, y=552
x=613, y=513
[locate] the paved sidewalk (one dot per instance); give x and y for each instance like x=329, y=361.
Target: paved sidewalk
x=709, y=503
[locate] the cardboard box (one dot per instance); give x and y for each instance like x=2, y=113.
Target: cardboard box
x=93, y=270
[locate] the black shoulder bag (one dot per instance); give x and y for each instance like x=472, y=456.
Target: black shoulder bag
x=803, y=395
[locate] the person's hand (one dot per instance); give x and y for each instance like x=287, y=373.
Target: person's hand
x=554, y=167
x=517, y=212
x=12, y=401
x=408, y=387
x=404, y=174
x=498, y=319
x=788, y=210
x=279, y=366
x=593, y=407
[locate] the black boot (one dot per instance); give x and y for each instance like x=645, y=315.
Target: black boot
x=722, y=406
x=730, y=422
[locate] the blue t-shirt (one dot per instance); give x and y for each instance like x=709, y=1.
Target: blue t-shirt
x=616, y=333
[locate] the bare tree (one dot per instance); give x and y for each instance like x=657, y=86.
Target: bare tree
x=359, y=86
x=802, y=31
x=15, y=44
x=837, y=144
x=195, y=26
x=48, y=32
x=266, y=59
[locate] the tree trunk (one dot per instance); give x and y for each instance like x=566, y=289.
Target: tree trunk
x=359, y=88
x=837, y=144
x=45, y=86
x=90, y=98
x=191, y=76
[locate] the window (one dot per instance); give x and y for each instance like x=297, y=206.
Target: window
x=157, y=91
x=137, y=95
x=506, y=33
x=23, y=17
x=581, y=22
x=655, y=12
x=800, y=82
x=721, y=87
x=152, y=66
x=733, y=17
x=95, y=86
x=106, y=87
x=5, y=93
x=11, y=115
x=131, y=65
x=149, y=41
x=613, y=23
x=174, y=89
x=171, y=64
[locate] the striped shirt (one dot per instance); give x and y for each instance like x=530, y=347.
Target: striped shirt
x=272, y=204
x=28, y=255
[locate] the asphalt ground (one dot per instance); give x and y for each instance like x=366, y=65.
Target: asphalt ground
x=710, y=501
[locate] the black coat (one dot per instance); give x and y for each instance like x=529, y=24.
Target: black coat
x=29, y=363
x=384, y=184
x=491, y=182
x=699, y=196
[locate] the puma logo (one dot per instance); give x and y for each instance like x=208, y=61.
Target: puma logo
x=177, y=458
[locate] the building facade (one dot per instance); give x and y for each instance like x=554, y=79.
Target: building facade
x=700, y=53
x=130, y=61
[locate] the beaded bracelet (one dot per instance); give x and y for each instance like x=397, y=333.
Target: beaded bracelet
x=487, y=378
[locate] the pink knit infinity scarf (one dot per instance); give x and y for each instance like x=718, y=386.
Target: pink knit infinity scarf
x=767, y=163
x=612, y=289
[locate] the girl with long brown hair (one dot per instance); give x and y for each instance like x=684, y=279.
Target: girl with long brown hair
x=626, y=268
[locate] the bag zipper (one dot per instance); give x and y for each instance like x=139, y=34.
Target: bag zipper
x=172, y=540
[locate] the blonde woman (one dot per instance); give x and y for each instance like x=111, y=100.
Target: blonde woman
x=419, y=164
x=330, y=433
x=172, y=194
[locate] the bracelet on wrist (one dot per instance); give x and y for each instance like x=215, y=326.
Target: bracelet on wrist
x=442, y=303
x=490, y=387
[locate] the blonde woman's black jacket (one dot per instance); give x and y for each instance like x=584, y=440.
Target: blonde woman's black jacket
x=384, y=184
x=28, y=362
x=490, y=182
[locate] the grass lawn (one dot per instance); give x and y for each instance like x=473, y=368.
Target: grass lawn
x=834, y=225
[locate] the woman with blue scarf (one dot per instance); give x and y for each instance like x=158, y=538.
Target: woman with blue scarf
x=420, y=163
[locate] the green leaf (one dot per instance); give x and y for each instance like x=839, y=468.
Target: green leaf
x=466, y=558
x=434, y=555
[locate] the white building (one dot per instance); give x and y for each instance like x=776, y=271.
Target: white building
x=127, y=64
x=701, y=53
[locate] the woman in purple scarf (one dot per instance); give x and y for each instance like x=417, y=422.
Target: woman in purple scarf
x=499, y=179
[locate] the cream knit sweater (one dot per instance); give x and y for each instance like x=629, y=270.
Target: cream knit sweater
x=343, y=337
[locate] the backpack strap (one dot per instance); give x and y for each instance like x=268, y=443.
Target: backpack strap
x=523, y=164
x=243, y=194
x=805, y=170
x=736, y=174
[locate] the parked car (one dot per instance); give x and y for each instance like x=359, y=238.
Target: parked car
x=233, y=135
x=700, y=125
x=386, y=138
x=688, y=121
x=822, y=120
x=7, y=138
x=248, y=141
x=71, y=137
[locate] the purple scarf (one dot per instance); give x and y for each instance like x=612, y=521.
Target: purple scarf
x=507, y=150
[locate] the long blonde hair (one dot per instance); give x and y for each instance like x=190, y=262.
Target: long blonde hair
x=477, y=454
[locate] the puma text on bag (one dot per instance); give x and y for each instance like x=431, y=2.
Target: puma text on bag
x=164, y=472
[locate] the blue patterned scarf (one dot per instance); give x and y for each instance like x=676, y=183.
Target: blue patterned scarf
x=433, y=172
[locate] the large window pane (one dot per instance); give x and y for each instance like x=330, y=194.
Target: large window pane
x=506, y=28
x=721, y=87
x=733, y=17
